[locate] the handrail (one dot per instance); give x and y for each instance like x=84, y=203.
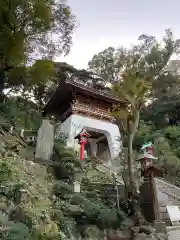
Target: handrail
x=169, y=184
x=172, y=195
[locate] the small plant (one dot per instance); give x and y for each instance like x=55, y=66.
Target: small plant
x=13, y=230
x=7, y=171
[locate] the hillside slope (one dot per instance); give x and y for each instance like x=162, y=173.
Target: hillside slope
x=25, y=186
x=34, y=199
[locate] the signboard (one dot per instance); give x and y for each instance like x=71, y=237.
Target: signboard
x=174, y=213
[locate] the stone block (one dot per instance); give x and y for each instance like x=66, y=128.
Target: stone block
x=45, y=141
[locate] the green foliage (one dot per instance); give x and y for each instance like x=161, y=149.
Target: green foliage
x=45, y=207
x=172, y=133
x=41, y=70
x=133, y=90
x=103, y=64
x=85, y=208
x=67, y=158
x=25, y=25
x=148, y=58
x=166, y=147
x=28, y=29
x=41, y=76
x=163, y=111
x=15, y=111
x=13, y=230
x=7, y=171
x=135, y=74
x=49, y=208
x=144, y=134
x=138, y=75
x=85, y=211
x=97, y=177
x=36, y=205
x=92, y=232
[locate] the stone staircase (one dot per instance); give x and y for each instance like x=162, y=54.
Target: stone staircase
x=167, y=194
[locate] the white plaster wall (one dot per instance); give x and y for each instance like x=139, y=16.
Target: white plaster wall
x=65, y=128
x=73, y=125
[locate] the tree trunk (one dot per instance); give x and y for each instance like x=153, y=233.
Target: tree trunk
x=2, y=77
x=132, y=127
x=1, y=84
x=1, y=80
x=135, y=124
x=130, y=158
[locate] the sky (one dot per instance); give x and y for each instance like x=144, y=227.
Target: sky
x=104, y=23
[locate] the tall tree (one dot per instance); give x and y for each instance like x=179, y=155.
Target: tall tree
x=133, y=91
x=140, y=68
x=149, y=58
x=41, y=76
x=103, y=64
x=30, y=29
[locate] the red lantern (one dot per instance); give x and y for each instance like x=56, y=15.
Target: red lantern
x=82, y=138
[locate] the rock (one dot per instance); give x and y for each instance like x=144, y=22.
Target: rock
x=128, y=223
x=161, y=236
x=118, y=235
x=134, y=230
x=92, y=232
x=143, y=236
x=125, y=234
x=146, y=229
